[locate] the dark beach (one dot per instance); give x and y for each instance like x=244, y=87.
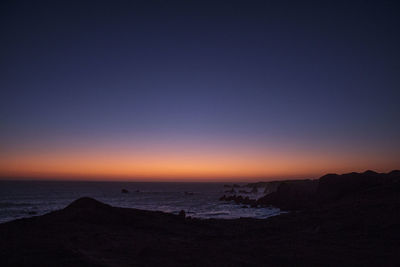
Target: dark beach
x=355, y=223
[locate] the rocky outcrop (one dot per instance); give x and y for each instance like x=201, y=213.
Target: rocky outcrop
x=182, y=214
x=272, y=187
x=238, y=199
x=291, y=195
x=254, y=190
x=231, y=191
x=334, y=186
x=308, y=194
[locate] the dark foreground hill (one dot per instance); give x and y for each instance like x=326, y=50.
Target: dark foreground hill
x=354, y=226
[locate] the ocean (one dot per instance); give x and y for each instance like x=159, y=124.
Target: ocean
x=19, y=199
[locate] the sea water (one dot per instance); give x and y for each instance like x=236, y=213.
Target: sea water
x=20, y=199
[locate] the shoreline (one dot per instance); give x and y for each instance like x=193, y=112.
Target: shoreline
x=357, y=227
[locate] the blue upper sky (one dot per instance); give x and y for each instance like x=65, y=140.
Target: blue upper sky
x=312, y=73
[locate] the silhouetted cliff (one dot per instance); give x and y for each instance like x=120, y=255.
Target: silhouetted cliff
x=306, y=194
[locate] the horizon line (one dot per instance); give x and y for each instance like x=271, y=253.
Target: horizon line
x=166, y=179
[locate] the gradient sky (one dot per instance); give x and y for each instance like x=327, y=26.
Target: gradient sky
x=197, y=90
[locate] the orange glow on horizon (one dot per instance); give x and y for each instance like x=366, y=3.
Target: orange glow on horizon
x=191, y=163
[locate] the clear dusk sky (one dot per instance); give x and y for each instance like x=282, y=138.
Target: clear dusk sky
x=198, y=90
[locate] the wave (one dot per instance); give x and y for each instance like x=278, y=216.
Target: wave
x=215, y=213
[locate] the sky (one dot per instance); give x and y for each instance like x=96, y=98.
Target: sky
x=198, y=90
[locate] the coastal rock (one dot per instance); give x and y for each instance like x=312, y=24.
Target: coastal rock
x=291, y=195
x=232, y=191
x=333, y=186
x=271, y=187
x=124, y=191
x=182, y=214
x=238, y=199
x=310, y=194
x=254, y=190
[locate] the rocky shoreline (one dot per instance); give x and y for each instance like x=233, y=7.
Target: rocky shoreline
x=307, y=194
x=349, y=220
